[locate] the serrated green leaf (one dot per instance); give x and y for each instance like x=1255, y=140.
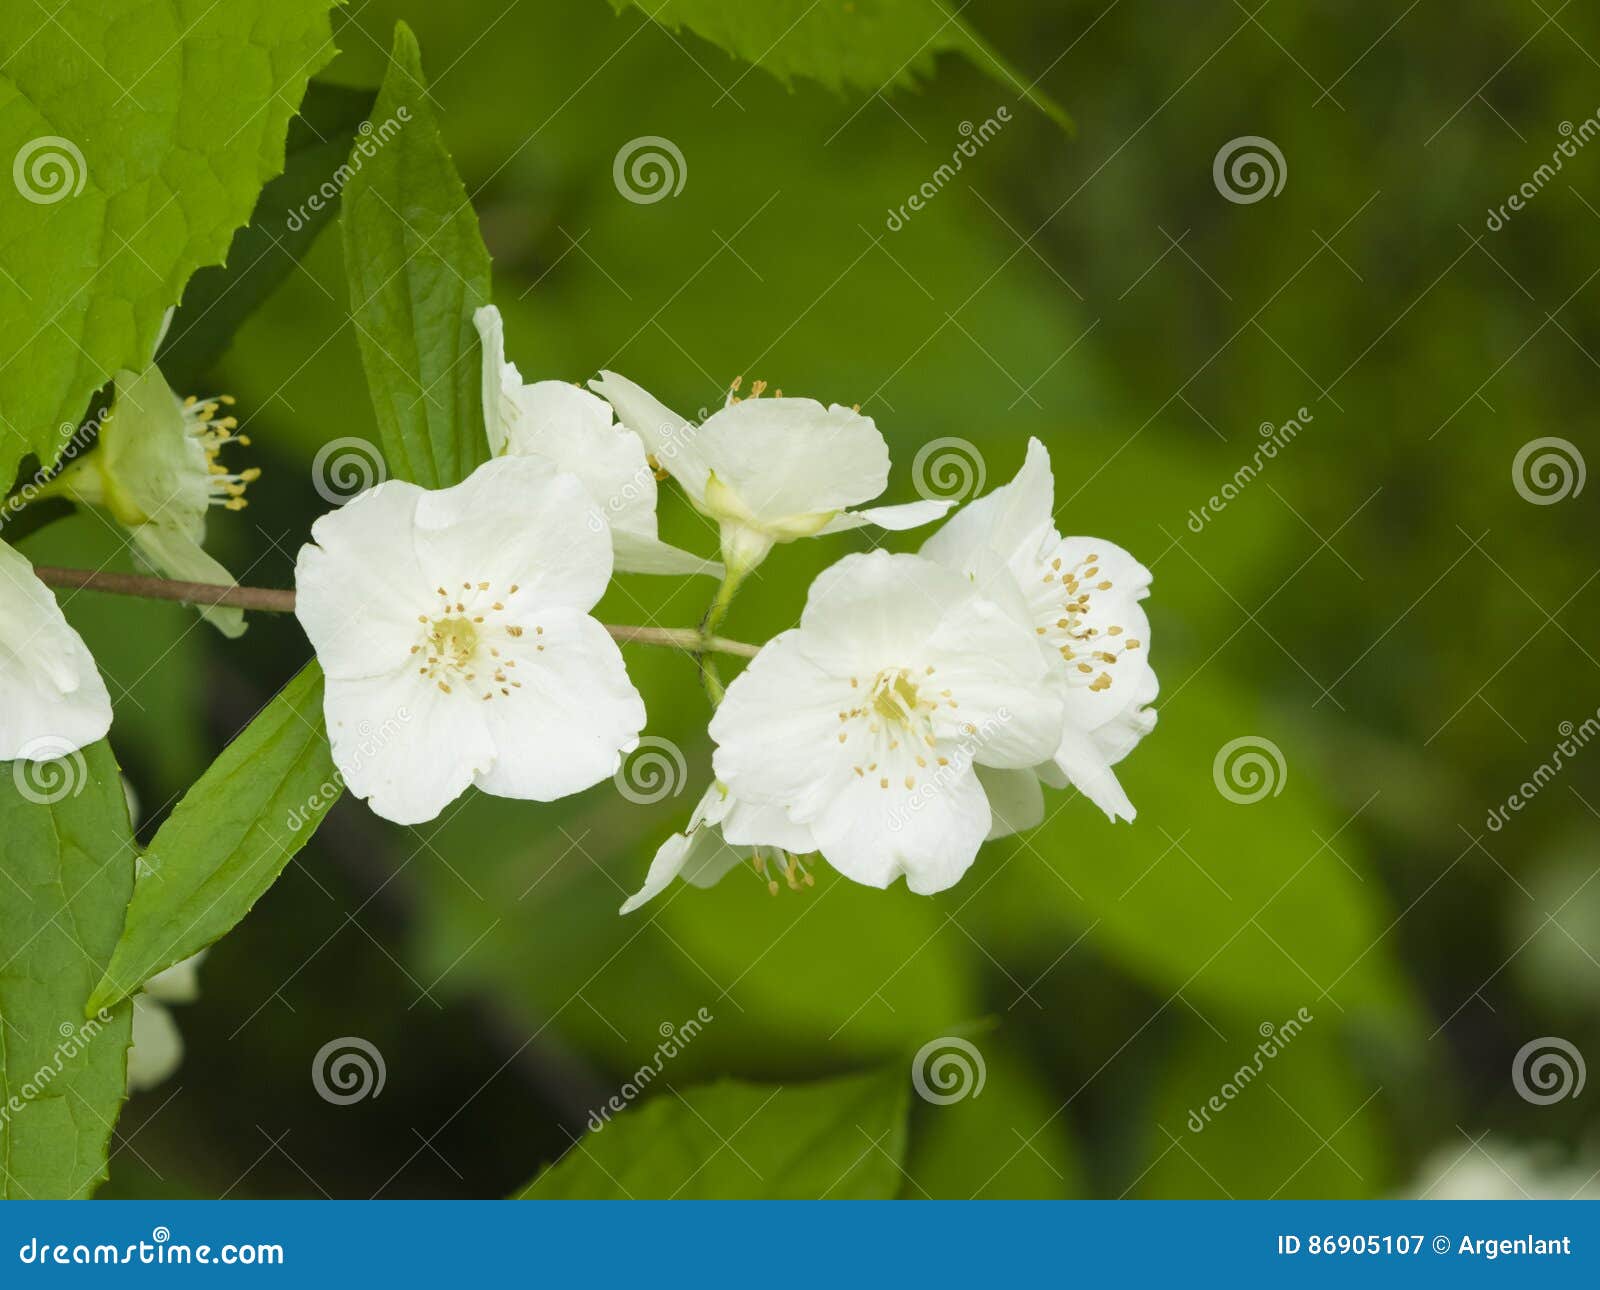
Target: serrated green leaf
x=69, y=869
x=291, y=211
x=417, y=268
x=139, y=136
x=840, y=1138
x=871, y=45
x=229, y=839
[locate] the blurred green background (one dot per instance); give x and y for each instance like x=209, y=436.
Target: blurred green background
x=1381, y=604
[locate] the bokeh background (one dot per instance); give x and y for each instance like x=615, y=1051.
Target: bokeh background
x=1382, y=604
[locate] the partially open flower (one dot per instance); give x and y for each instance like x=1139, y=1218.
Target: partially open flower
x=157, y=470
x=157, y=1048
x=52, y=700
x=575, y=431
x=770, y=470
x=1080, y=598
x=463, y=613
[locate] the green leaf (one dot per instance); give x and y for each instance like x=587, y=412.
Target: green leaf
x=69, y=869
x=229, y=839
x=140, y=135
x=418, y=269
x=862, y=44
x=841, y=1139
x=291, y=211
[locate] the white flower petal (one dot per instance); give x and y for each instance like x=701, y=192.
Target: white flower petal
x=1087, y=768
x=179, y=983
x=404, y=745
x=359, y=586
x=172, y=553
x=640, y=554
x=501, y=380
x=765, y=824
x=1014, y=519
x=873, y=835
x=564, y=715
x=908, y=515
x=515, y=521
x=1015, y=798
x=667, y=437
x=157, y=1048
x=50, y=690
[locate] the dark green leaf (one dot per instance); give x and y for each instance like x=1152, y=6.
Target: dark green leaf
x=67, y=853
x=229, y=839
x=842, y=1139
x=418, y=269
x=291, y=211
x=871, y=45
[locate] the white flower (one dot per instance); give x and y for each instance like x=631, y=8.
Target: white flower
x=52, y=700
x=574, y=431
x=770, y=470
x=157, y=1048
x=702, y=854
x=464, y=614
x=1080, y=598
x=869, y=723
x=157, y=470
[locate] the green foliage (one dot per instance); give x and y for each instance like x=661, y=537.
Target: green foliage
x=417, y=269
x=229, y=839
x=67, y=853
x=289, y=214
x=145, y=150
x=841, y=1139
x=871, y=45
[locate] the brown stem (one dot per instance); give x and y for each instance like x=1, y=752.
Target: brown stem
x=271, y=600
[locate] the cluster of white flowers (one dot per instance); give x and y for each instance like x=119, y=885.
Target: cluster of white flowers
x=919, y=707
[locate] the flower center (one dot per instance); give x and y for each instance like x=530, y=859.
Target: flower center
x=1063, y=604
x=893, y=727
x=467, y=642
x=213, y=433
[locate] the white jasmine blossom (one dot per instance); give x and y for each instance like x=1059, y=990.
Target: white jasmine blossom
x=575, y=431
x=157, y=1048
x=769, y=470
x=869, y=722
x=703, y=853
x=465, y=611
x=157, y=471
x=52, y=699
x=1080, y=598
